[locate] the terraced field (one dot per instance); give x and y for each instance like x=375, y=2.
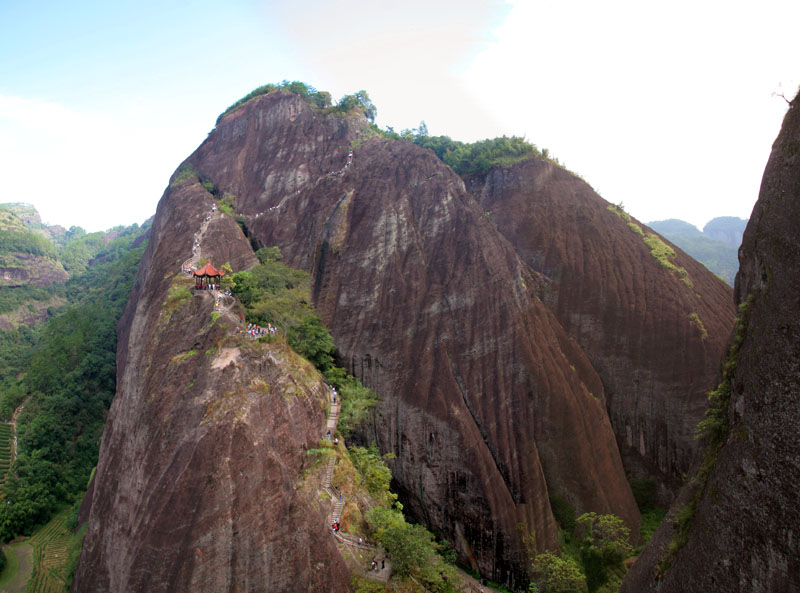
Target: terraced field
x=50, y=557
x=6, y=440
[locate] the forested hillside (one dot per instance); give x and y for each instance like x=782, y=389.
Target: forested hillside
x=60, y=374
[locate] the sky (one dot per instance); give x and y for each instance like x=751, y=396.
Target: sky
x=667, y=108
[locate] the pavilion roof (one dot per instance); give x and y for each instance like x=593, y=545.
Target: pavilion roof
x=208, y=270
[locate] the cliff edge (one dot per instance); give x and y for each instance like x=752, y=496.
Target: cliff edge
x=737, y=529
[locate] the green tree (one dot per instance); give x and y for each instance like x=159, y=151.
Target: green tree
x=553, y=574
x=604, y=544
x=361, y=101
x=414, y=550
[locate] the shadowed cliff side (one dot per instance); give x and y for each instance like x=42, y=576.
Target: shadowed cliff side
x=655, y=337
x=195, y=489
x=739, y=525
x=488, y=404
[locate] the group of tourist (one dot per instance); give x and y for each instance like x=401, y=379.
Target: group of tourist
x=255, y=331
x=374, y=565
x=346, y=165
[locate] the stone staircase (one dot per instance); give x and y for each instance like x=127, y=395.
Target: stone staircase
x=381, y=574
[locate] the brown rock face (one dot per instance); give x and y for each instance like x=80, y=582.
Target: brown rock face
x=488, y=404
x=743, y=537
x=195, y=489
x=31, y=270
x=632, y=316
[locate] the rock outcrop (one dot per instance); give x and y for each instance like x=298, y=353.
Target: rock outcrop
x=490, y=405
x=742, y=536
x=204, y=447
x=27, y=257
x=432, y=308
x=653, y=334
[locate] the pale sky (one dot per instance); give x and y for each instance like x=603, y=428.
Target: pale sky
x=669, y=108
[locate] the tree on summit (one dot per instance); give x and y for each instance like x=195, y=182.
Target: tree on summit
x=362, y=101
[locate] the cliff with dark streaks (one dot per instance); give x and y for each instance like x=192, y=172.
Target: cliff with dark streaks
x=435, y=311
x=497, y=381
x=654, y=337
x=741, y=535
x=196, y=487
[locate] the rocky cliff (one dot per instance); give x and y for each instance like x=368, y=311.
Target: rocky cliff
x=196, y=487
x=488, y=404
x=653, y=326
x=740, y=515
x=495, y=378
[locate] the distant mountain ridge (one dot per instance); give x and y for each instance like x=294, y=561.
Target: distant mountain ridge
x=716, y=246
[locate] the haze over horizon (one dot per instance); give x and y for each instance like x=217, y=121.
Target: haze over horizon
x=670, y=111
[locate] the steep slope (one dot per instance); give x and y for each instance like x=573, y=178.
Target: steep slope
x=195, y=489
x=654, y=334
x=488, y=404
x=743, y=532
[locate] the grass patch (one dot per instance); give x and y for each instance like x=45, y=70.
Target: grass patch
x=651, y=520
x=178, y=294
x=619, y=211
x=663, y=253
x=695, y=318
x=226, y=204
x=186, y=172
x=12, y=564
x=636, y=228
x=178, y=358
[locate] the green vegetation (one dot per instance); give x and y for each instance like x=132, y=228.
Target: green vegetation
x=554, y=574
x=715, y=428
x=662, y=252
x=593, y=548
x=17, y=241
x=563, y=512
x=13, y=297
x=12, y=579
x=479, y=157
x=185, y=172
x=645, y=491
x=604, y=544
x=276, y=294
x=51, y=556
x=6, y=445
x=315, y=98
x=718, y=256
x=227, y=203
x=619, y=210
x=636, y=228
x=179, y=292
x=415, y=552
x=76, y=248
x=375, y=475
x=695, y=318
x=67, y=379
